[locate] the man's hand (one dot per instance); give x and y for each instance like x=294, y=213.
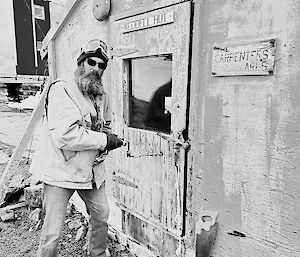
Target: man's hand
x=113, y=142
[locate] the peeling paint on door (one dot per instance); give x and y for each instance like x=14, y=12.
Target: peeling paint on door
x=150, y=161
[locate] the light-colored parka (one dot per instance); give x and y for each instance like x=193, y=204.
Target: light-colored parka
x=67, y=147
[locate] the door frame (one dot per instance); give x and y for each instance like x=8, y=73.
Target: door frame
x=120, y=60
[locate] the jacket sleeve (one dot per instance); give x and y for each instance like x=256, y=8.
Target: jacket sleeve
x=65, y=124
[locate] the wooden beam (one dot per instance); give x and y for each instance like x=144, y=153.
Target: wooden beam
x=52, y=60
x=13, y=207
x=34, y=119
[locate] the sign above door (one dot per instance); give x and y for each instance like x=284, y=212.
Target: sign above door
x=145, y=22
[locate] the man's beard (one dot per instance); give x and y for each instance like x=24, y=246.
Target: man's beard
x=90, y=83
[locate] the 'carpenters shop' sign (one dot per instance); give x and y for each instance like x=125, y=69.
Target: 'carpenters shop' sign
x=248, y=59
x=145, y=22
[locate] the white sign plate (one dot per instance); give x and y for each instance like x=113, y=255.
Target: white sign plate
x=248, y=59
x=149, y=22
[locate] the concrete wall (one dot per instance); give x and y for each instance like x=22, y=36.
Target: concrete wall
x=245, y=131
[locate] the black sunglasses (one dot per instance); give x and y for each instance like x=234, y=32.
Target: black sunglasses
x=101, y=65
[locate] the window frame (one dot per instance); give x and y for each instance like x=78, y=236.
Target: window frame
x=128, y=89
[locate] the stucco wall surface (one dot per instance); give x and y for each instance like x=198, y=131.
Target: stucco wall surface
x=245, y=131
x=78, y=29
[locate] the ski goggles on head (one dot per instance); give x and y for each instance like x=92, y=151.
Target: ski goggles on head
x=95, y=45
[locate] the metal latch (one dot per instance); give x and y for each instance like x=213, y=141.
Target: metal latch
x=122, y=51
x=186, y=144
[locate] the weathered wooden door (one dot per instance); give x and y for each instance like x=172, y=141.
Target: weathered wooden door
x=150, y=79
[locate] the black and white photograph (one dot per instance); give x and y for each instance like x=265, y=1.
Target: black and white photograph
x=150, y=128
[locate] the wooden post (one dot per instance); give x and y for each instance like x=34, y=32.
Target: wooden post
x=34, y=119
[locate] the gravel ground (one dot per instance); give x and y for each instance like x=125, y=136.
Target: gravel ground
x=20, y=237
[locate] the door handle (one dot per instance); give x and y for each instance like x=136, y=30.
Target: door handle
x=186, y=144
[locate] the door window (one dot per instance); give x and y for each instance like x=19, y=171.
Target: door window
x=150, y=93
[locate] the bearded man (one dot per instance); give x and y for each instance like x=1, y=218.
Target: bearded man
x=74, y=141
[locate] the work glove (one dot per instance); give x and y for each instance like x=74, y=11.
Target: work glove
x=113, y=142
